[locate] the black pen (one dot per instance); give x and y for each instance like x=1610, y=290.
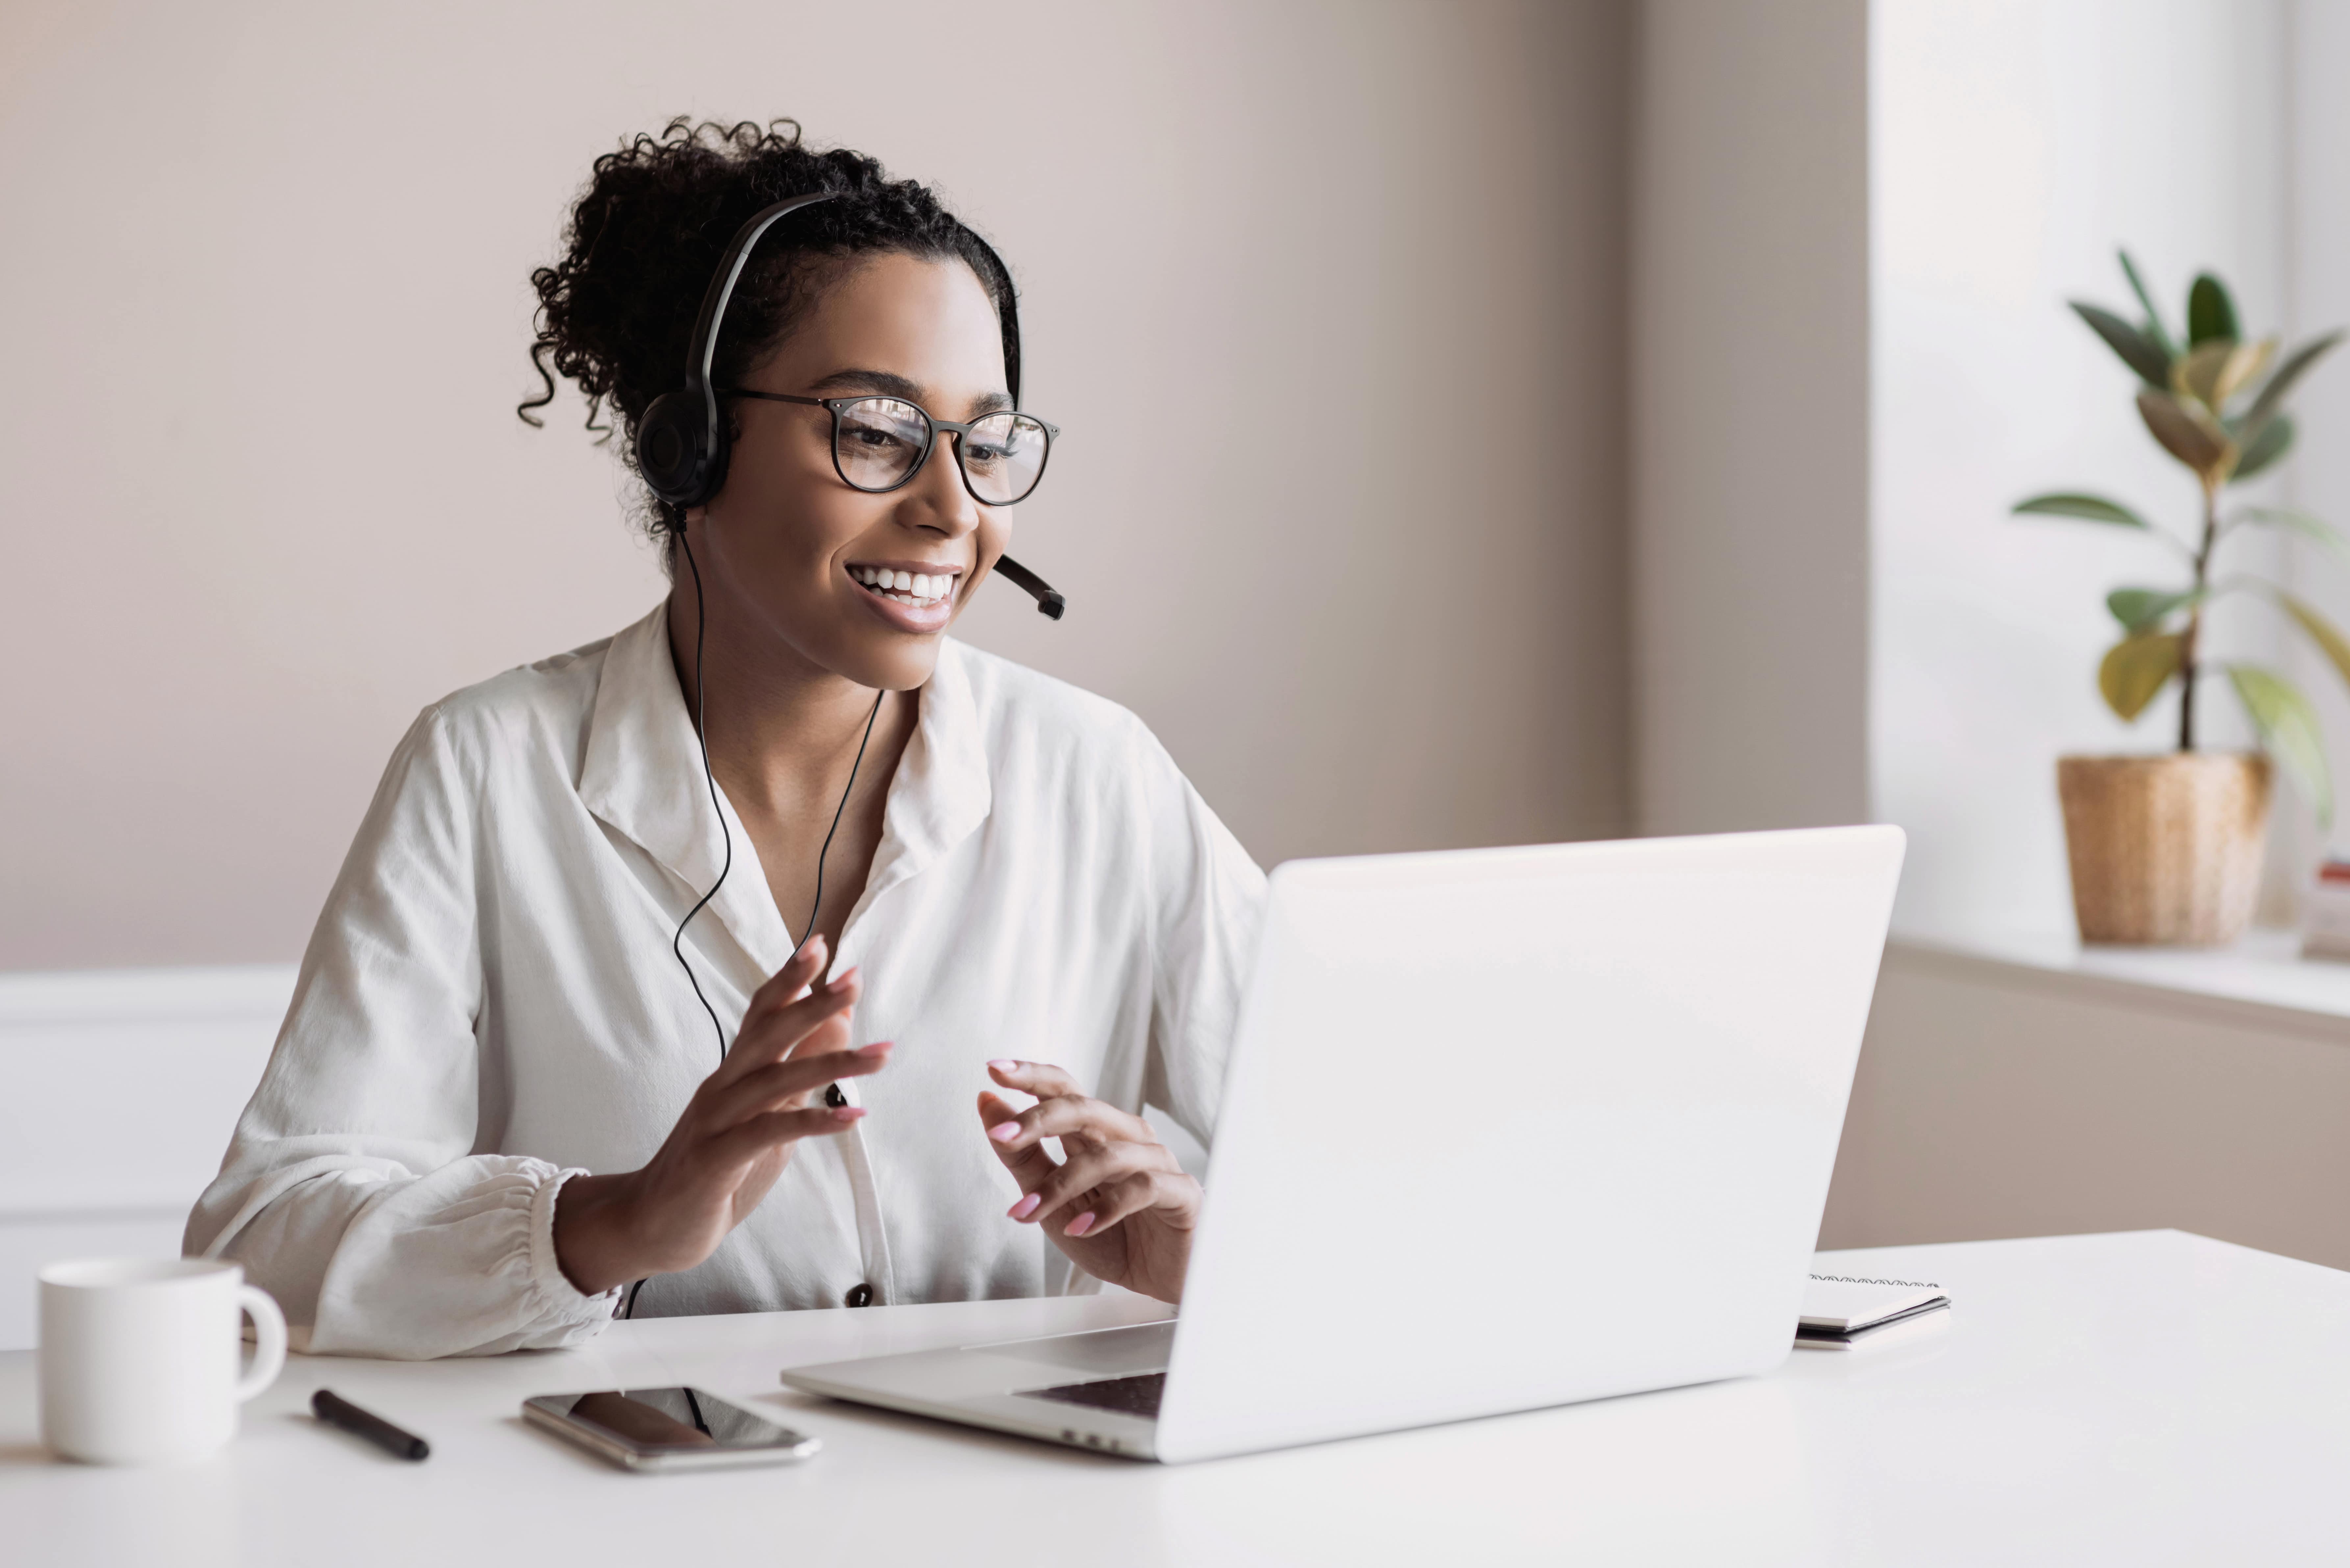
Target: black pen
x=336, y=1411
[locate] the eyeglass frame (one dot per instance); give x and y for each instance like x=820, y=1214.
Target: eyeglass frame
x=834, y=405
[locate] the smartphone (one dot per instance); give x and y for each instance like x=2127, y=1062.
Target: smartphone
x=667, y=1430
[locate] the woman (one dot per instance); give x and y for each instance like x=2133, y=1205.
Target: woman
x=497, y=1114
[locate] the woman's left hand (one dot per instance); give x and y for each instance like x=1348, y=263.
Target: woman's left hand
x=1120, y=1206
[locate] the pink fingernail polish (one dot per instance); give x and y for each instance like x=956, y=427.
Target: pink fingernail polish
x=1025, y=1206
x=1004, y=1132
x=878, y=1047
x=848, y=1113
x=1081, y=1224
x=1004, y=1066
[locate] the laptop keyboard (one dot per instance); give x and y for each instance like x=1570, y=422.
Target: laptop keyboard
x=1134, y=1395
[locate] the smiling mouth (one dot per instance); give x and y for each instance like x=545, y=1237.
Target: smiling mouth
x=919, y=588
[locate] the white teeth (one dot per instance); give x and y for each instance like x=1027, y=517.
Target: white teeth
x=912, y=588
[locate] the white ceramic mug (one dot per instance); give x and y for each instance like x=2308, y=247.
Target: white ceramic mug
x=139, y=1357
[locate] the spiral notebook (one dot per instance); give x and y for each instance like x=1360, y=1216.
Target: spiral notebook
x=1841, y=1311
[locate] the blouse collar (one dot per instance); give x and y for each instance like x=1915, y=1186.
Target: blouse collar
x=642, y=776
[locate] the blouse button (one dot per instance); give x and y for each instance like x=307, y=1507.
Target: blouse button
x=861, y=1294
x=834, y=1097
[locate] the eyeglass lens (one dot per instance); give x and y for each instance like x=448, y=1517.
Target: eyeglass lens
x=879, y=441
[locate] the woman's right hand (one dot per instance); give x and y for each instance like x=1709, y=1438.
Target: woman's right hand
x=732, y=1142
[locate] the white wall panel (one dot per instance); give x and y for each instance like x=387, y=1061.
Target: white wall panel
x=1998, y=1100
x=118, y=1092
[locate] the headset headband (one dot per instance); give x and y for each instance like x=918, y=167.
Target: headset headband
x=721, y=290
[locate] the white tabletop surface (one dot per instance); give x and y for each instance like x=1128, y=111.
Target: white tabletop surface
x=2146, y=1398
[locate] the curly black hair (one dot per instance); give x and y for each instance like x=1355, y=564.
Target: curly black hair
x=615, y=313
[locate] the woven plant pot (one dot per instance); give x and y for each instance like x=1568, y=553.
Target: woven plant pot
x=2166, y=850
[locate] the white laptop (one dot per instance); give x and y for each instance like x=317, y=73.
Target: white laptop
x=1478, y=1103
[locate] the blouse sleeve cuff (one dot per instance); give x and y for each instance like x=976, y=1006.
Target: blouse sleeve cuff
x=561, y=1297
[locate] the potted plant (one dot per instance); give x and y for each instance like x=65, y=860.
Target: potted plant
x=2165, y=849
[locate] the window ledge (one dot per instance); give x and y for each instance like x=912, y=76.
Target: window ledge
x=2262, y=980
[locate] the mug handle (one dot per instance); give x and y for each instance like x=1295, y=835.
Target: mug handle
x=268, y=1341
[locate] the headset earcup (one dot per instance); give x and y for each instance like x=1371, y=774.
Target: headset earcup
x=672, y=442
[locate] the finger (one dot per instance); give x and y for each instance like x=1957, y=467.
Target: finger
x=746, y=1141
x=1072, y=1116
x=768, y=1036
x=1130, y=1196
x=778, y=1009
x=1079, y=1176
x=825, y=1039
x=1029, y=1165
x=780, y=993
x=1041, y=1079
x=801, y=971
x=774, y=1088
x=815, y=1024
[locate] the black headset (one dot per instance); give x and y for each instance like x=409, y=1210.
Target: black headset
x=682, y=438
x=682, y=444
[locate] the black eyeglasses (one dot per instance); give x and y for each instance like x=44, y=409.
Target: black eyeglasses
x=880, y=444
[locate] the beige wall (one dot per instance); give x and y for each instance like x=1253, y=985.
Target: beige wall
x=1750, y=440
x=264, y=295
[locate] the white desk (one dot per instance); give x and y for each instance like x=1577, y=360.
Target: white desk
x=2145, y=1398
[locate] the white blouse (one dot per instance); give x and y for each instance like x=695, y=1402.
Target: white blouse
x=489, y=1005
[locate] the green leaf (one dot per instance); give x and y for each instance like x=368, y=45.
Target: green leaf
x=2222, y=367
x=2275, y=438
x=2089, y=508
x=2147, y=302
x=2138, y=351
x=2154, y=329
x=2296, y=520
x=2210, y=312
x=2139, y=608
x=2137, y=667
x=2194, y=375
x=2187, y=433
x=2288, y=727
x=2246, y=365
x=2271, y=398
x=2321, y=631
